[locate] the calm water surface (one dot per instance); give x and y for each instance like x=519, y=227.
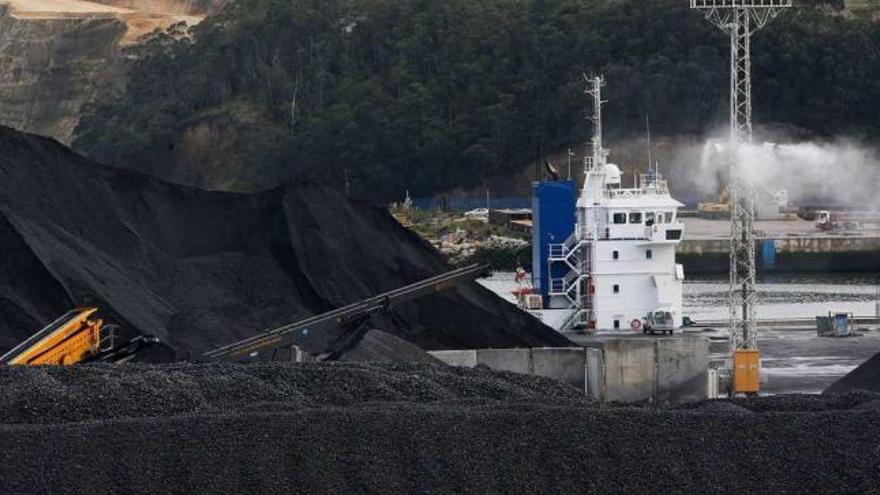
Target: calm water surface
x=791, y=295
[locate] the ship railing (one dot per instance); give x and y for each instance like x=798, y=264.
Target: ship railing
x=715, y=4
x=582, y=234
x=586, y=302
x=649, y=185
x=569, y=243
x=556, y=251
x=579, y=318
x=557, y=286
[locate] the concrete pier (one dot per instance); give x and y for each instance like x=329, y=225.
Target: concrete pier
x=782, y=245
x=659, y=370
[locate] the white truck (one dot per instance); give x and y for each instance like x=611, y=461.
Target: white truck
x=846, y=220
x=660, y=320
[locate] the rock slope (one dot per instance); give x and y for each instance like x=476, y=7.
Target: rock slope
x=58, y=55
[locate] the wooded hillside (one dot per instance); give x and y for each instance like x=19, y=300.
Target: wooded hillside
x=426, y=95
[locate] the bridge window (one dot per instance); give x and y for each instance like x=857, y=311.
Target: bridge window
x=661, y=217
x=673, y=235
x=619, y=218
x=635, y=217
x=649, y=218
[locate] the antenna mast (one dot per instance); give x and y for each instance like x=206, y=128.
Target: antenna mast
x=648, y=128
x=740, y=19
x=599, y=153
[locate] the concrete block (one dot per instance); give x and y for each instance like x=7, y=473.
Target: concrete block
x=594, y=383
x=682, y=364
x=466, y=358
x=566, y=364
x=515, y=360
x=629, y=370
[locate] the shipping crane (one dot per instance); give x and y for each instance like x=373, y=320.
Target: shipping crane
x=355, y=317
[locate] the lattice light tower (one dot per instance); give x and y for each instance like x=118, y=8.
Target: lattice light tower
x=740, y=19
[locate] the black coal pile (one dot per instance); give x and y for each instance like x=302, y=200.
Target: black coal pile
x=865, y=377
x=379, y=346
x=413, y=428
x=202, y=269
x=51, y=395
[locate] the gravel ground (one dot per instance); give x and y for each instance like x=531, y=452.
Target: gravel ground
x=380, y=428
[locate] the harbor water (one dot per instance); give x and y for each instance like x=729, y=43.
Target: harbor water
x=788, y=295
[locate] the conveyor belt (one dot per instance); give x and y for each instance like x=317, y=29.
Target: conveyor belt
x=281, y=337
x=64, y=341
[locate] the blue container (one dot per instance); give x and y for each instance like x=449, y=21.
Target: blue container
x=768, y=254
x=841, y=325
x=553, y=221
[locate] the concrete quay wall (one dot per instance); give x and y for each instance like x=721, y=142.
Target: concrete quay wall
x=663, y=371
x=819, y=244
x=786, y=254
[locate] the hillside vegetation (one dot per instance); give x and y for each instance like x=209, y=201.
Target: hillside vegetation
x=392, y=95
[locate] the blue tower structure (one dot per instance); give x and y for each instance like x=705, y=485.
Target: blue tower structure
x=553, y=221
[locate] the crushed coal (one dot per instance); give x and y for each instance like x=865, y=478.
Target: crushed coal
x=101, y=392
x=414, y=428
x=864, y=377
x=379, y=346
x=202, y=269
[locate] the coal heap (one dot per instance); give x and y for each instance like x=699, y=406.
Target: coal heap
x=201, y=269
x=413, y=428
x=865, y=377
x=56, y=395
x=379, y=346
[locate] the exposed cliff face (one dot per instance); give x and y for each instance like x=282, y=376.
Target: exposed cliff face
x=50, y=67
x=189, y=7
x=57, y=55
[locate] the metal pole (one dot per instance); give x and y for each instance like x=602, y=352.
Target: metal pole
x=740, y=19
x=569, y=164
x=648, y=128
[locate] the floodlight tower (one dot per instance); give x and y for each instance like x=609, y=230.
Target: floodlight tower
x=740, y=19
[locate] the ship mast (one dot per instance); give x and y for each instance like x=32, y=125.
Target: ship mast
x=595, y=160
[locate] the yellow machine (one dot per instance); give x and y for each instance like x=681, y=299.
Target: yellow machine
x=71, y=339
x=717, y=210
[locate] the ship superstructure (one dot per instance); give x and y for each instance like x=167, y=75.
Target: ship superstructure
x=618, y=264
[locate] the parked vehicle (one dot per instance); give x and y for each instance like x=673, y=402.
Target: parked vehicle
x=845, y=220
x=661, y=320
